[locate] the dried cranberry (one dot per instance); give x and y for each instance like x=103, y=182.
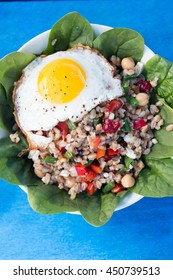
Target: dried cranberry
x=138, y=124
x=110, y=126
x=144, y=86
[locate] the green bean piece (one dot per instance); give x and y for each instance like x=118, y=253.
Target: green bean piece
x=89, y=162
x=126, y=126
x=108, y=187
x=96, y=121
x=68, y=155
x=50, y=159
x=71, y=125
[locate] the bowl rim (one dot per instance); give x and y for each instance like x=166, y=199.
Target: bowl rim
x=32, y=46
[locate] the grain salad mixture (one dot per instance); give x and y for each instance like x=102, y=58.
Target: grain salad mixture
x=103, y=150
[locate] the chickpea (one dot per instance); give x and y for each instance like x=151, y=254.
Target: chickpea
x=142, y=98
x=70, y=182
x=39, y=173
x=127, y=181
x=127, y=63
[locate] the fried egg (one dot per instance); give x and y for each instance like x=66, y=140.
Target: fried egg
x=64, y=85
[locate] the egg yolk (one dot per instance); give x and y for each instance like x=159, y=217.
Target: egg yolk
x=61, y=80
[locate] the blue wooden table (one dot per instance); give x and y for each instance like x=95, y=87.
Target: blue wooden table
x=141, y=231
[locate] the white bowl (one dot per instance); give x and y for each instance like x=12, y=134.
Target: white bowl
x=37, y=45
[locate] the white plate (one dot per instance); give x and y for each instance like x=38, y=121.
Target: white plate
x=37, y=45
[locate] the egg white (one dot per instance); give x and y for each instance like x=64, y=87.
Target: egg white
x=34, y=113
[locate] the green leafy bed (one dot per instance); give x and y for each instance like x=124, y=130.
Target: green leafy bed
x=155, y=180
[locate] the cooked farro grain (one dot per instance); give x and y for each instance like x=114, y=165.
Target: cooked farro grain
x=15, y=137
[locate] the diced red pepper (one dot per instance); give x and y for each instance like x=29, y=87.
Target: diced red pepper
x=138, y=124
x=95, y=142
x=90, y=189
x=117, y=188
x=96, y=168
x=61, y=149
x=89, y=176
x=107, y=158
x=63, y=127
x=111, y=152
x=110, y=126
x=114, y=105
x=100, y=152
x=80, y=169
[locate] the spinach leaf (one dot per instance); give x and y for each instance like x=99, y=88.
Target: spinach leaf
x=14, y=169
x=18, y=171
x=164, y=137
x=166, y=112
x=69, y=31
x=162, y=168
x=98, y=209
x=164, y=147
x=3, y=99
x=11, y=67
x=10, y=149
x=160, y=151
x=156, y=181
x=49, y=199
x=122, y=42
x=6, y=118
x=6, y=112
x=162, y=69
